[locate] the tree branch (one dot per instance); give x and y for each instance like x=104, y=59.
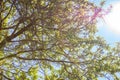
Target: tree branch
x=9, y=38
x=45, y=59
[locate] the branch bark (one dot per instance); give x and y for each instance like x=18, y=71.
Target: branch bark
x=9, y=38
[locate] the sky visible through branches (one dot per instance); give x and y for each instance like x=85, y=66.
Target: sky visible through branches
x=103, y=28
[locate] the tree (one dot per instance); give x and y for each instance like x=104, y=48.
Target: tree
x=53, y=40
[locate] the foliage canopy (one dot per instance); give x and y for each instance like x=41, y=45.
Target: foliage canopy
x=53, y=40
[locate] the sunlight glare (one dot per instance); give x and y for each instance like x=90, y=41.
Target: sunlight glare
x=113, y=19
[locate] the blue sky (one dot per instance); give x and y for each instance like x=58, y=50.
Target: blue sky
x=110, y=36
x=103, y=30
